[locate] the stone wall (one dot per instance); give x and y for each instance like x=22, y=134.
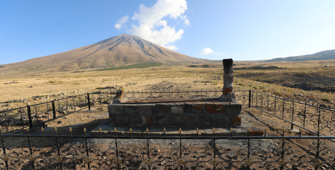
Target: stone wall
x=184, y=115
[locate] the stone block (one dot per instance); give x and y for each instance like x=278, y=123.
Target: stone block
x=190, y=121
x=160, y=120
x=214, y=108
x=236, y=121
x=174, y=120
x=115, y=109
x=221, y=121
x=148, y=120
x=232, y=109
x=144, y=110
x=179, y=109
x=135, y=120
x=112, y=118
x=162, y=108
x=121, y=120
x=204, y=121
x=195, y=108
x=130, y=110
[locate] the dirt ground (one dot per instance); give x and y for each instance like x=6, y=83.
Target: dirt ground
x=164, y=154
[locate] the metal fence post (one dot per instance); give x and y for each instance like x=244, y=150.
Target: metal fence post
x=317, y=154
x=249, y=98
x=88, y=101
x=29, y=116
x=59, y=153
x=319, y=119
x=283, y=108
x=5, y=156
x=267, y=104
x=282, y=162
x=292, y=119
x=305, y=113
x=180, y=150
x=88, y=161
x=53, y=109
x=256, y=99
x=148, y=151
x=262, y=101
x=275, y=105
x=32, y=159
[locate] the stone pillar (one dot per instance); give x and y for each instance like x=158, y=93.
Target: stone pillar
x=118, y=96
x=228, y=78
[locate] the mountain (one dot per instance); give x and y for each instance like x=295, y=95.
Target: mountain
x=117, y=51
x=323, y=55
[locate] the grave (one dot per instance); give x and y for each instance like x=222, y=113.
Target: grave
x=220, y=112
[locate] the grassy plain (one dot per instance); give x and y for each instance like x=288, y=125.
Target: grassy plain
x=280, y=81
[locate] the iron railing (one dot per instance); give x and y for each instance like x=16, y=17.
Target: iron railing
x=163, y=151
x=298, y=114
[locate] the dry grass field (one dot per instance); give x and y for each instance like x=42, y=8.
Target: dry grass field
x=272, y=78
x=283, y=80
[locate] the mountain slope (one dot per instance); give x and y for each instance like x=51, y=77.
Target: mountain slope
x=323, y=55
x=113, y=52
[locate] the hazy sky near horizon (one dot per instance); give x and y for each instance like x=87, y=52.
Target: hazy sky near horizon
x=210, y=29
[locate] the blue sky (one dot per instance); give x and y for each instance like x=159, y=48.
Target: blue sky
x=211, y=29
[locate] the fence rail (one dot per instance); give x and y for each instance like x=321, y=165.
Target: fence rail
x=115, y=151
x=305, y=116
x=302, y=115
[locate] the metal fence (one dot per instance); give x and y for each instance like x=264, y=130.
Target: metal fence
x=17, y=119
x=303, y=115
x=298, y=114
x=163, y=151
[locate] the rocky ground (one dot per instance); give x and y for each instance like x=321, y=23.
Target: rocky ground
x=163, y=154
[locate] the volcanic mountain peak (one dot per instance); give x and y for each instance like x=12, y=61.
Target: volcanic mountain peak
x=112, y=52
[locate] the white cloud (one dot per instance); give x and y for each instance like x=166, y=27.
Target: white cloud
x=151, y=22
x=207, y=51
x=121, y=22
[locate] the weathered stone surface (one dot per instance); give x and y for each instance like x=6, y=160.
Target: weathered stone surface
x=148, y=120
x=144, y=110
x=196, y=108
x=190, y=121
x=198, y=114
x=204, y=121
x=112, y=118
x=227, y=90
x=233, y=109
x=214, y=108
x=187, y=108
x=177, y=109
x=116, y=100
x=162, y=108
x=221, y=121
x=121, y=120
x=228, y=77
x=114, y=109
x=130, y=109
x=135, y=119
x=236, y=121
x=160, y=120
x=174, y=120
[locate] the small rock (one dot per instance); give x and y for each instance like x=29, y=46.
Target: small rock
x=69, y=156
x=294, y=130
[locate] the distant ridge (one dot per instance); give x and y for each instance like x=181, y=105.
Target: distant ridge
x=323, y=55
x=113, y=52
